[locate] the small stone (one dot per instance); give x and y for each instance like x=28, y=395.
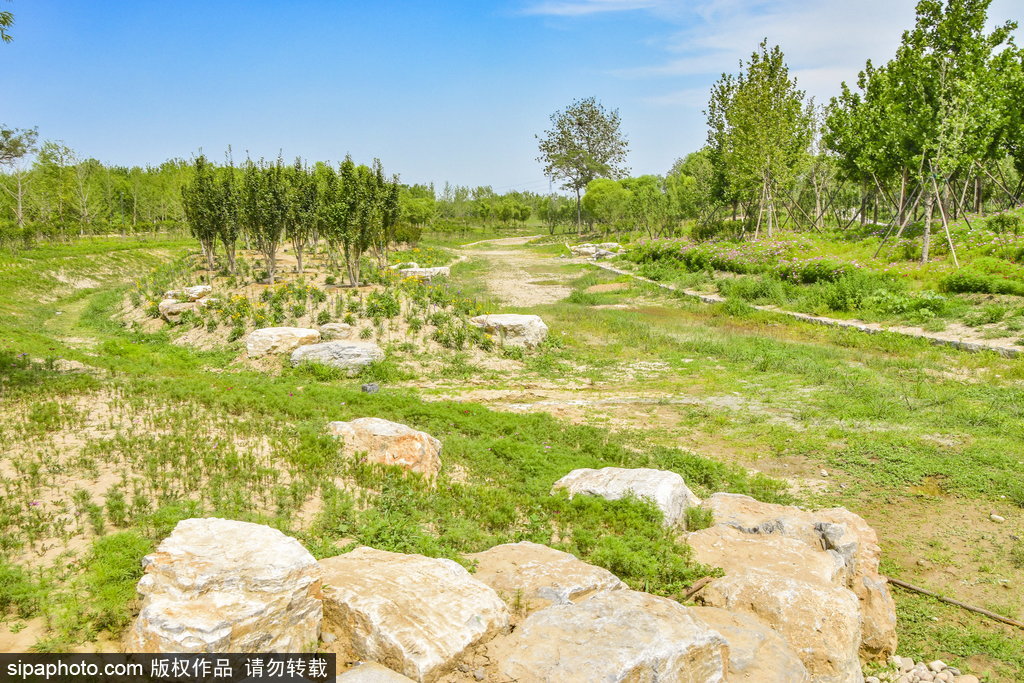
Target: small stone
x=371, y=388
x=478, y=675
x=872, y=679
x=329, y=638
x=906, y=664
x=953, y=670
x=998, y=519
x=937, y=666
x=927, y=676
x=896, y=661
x=824, y=473
x=905, y=678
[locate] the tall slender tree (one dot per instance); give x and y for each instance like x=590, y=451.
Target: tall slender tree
x=584, y=142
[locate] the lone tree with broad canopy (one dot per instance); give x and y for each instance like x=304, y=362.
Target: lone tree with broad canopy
x=583, y=143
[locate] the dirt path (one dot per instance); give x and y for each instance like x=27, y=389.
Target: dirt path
x=509, y=278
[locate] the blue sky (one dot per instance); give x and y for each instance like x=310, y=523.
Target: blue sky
x=439, y=91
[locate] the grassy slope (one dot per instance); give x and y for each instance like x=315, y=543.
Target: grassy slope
x=913, y=430
x=178, y=432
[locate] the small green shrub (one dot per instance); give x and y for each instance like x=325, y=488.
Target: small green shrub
x=1004, y=223
x=698, y=518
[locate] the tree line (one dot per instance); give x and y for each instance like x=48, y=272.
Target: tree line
x=352, y=209
x=932, y=135
x=47, y=190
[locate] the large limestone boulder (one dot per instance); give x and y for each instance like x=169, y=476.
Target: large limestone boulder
x=425, y=274
x=838, y=532
x=621, y=635
x=389, y=443
x=757, y=653
x=332, y=331
x=371, y=672
x=189, y=293
x=270, y=340
x=513, y=329
x=530, y=576
x=172, y=309
x=218, y=585
x=820, y=621
x=348, y=355
x=665, y=489
x=734, y=551
x=414, y=614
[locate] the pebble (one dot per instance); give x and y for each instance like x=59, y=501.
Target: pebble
x=824, y=473
x=328, y=638
x=998, y=519
x=937, y=666
x=371, y=388
x=872, y=679
x=478, y=674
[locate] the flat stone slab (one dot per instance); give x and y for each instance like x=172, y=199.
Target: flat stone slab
x=416, y=615
x=219, y=585
x=389, y=443
x=621, y=635
x=531, y=576
x=666, y=490
x=348, y=355
x=270, y=340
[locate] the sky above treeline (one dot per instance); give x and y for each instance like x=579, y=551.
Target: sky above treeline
x=439, y=91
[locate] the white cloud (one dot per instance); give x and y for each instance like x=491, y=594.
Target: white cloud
x=576, y=8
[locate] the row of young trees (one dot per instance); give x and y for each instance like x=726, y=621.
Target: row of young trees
x=936, y=132
x=48, y=189
x=353, y=208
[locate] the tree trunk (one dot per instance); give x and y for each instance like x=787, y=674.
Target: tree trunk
x=945, y=223
x=298, y=256
x=579, y=214
x=929, y=209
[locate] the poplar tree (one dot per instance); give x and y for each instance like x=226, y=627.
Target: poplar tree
x=759, y=129
x=202, y=205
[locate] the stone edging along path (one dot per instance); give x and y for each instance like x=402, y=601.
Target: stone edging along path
x=870, y=328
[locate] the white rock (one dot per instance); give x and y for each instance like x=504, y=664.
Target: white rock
x=218, y=585
x=619, y=635
x=998, y=519
x=332, y=331
x=389, y=443
x=513, y=329
x=189, y=293
x=414, y=614
x=270, y=340
x=530, y=576
x=171, y=309
x=425, y=274
x=666, y=490
x=757, y=653
x=841, y=533
x=348, y=355
x=404, y=266
x=937, y=666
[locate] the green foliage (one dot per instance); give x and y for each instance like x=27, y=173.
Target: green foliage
x=113, y=568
